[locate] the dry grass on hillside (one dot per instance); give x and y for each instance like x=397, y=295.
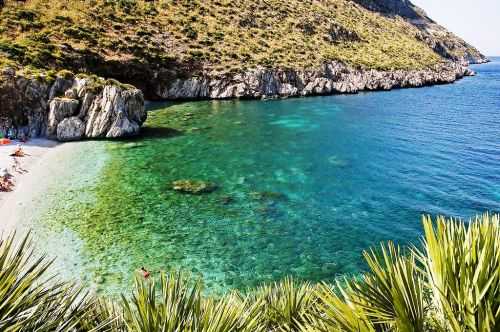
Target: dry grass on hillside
x=216, y=35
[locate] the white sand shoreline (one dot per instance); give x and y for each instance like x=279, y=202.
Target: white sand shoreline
x=56, y=172
x=58, y=175
x=41, y=153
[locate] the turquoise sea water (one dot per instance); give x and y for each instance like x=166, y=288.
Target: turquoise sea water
x=305, y=185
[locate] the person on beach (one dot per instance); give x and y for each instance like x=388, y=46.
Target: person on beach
x=19, y=152
x=6, y=183
x=145, y=273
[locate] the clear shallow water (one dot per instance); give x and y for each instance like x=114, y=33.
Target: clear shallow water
x=305, y=184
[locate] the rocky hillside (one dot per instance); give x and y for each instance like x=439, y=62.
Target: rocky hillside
x=180, y=49
x=150, y=42
x=437, y=37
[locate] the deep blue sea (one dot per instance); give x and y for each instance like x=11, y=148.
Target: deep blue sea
x=305, y=185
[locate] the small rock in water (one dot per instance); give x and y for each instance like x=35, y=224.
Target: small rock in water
x=199, y=128
x=267, y=195
x=226, y=200
x=336, y=161
x=133, y=145
x=195, y=187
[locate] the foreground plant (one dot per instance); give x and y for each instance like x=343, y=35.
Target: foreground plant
x=390, y=297
x=176, y=304
x=285, y=305
x=450, y=284
x=462, y=263
x=30, y=301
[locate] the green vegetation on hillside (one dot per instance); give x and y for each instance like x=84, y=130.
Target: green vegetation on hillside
x=450, y=283
x=210, y=36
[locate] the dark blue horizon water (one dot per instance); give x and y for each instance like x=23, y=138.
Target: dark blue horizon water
x=305, y=184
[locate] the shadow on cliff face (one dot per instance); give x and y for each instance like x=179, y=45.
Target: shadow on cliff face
x=145, y=75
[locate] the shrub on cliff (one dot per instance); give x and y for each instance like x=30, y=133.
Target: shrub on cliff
x=94, y=35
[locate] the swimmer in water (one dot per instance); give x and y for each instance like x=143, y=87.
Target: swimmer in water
x=145, y=273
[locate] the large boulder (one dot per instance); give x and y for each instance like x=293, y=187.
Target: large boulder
x=70, y=129
x=60, y=109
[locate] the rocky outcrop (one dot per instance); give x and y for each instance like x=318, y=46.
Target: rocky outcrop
x=329, y=79
x=68, y=107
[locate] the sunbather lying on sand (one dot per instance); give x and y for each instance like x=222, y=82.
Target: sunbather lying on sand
x=6, y=183
x=19, y=152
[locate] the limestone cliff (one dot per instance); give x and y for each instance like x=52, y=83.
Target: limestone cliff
x=328, y=79
x=67, y=107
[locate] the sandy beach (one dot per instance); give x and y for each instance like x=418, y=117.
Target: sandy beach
x=48, y=170
x=28, y=176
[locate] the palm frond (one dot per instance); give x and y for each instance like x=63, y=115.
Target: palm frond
x=285, y=304
x=462, y=261
x=229, y=314
x=392, y=293
x=29, y=301
x=338, y=310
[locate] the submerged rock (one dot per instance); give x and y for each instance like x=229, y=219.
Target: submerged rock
x=226, y=200
x=267, y=195
x=337, y=162
x=195, y=187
